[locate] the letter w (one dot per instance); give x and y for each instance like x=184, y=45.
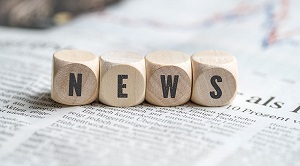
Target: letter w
x=166, y=86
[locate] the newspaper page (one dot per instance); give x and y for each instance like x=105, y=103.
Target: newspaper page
x=260, y=127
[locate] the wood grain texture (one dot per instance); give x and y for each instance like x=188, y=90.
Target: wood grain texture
x=75, y=77
x=122, y=79
x=169, y=78
x=214, y=78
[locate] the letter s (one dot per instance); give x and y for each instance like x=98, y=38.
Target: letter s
x=213, y=80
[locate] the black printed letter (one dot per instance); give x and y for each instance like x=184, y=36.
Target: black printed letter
x=121, y=86
x=75, y=84
x=170, y=85
x=296, y=110
x=217, y=88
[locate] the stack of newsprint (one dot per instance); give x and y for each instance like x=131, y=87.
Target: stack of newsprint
x=260, y=127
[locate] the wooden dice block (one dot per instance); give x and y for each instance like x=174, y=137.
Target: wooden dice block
x=169, y=78
x=214, y=78
x=75, y=77
x=122, y=79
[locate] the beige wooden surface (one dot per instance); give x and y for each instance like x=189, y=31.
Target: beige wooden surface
x=122, y=79
x=214, y=78
x=163, y=67
x=75, y=63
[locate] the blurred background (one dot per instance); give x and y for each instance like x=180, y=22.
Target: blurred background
x=45, y=13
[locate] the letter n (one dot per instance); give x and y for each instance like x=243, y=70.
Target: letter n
x=75, y=84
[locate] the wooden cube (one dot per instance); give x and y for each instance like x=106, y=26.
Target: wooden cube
x=75, y=77
x=214, y=78
x=169, y=78
x=122, y=79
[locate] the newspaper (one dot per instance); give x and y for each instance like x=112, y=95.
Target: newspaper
x=260, y=127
